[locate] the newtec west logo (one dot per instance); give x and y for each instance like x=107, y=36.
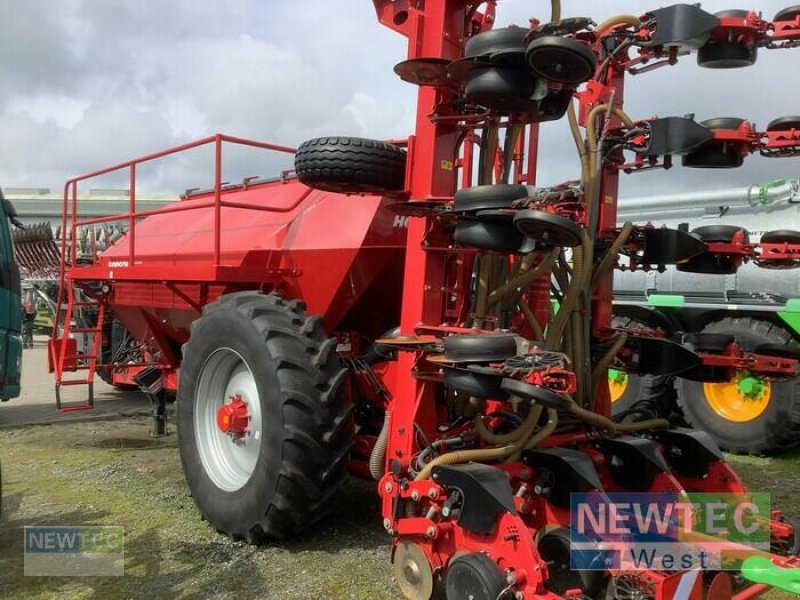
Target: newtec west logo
x=76, y=551
x=667, y=531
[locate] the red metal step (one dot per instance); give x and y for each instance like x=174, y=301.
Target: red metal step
x=76, y=407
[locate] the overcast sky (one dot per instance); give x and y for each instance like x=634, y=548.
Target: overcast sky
x=88, y=83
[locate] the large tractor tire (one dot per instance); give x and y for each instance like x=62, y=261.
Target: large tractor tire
x=747, y=414
x=351, y=165
x=627, y=389
x=262, y=418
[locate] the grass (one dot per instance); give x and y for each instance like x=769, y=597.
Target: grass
x=85, y=474
x=112, y=473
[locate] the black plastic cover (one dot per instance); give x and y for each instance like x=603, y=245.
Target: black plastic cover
x=570, y=470
x=675, y=135
x=670, y=246
x=659, y=356
x=485, y=491
x=682, y=26
x=632, y=461
x=690, y=453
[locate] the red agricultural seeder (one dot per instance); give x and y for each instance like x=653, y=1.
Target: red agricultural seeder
x=273, y=306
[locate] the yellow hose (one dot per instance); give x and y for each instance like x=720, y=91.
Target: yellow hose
x=591, y=183
x=613, y=253
x=538, y=333
x=591, y=122
x=555, y=11
x=601, y=422
x=642, y=425
x=484, y=272
x=574, y=128
x=505, y=438
x=601, y=369
x=580, y=278
x=575, y=333
x=487, y=168
x=603, y=27
x=539, y=436
x=524, y=278
x=463, y=456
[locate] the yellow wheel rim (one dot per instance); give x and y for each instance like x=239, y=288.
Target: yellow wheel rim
x=617, y=384
x=740, y=400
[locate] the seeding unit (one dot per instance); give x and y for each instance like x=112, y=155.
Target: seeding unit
x=272, y=307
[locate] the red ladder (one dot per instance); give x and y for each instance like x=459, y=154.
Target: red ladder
x=64, y=356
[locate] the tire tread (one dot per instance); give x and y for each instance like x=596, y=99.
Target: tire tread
x=307, y=370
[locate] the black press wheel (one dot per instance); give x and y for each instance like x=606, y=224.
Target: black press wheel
x=547, y=229
x=487, y=43
x=476, y=381
x=561, y=59
x=554, y=105
x=707, y=262
x=788, y=14
x=747, y=413
x=554, y=548
x=492, y=235
x=490, y=347
x=351, y=165
x=261, y=417
x=779, y=236
x=475, y=576
x=788, y=123
x=503, y=89
x=540, y=395
x=713, y=154
x=729, y=53
x=485, y=197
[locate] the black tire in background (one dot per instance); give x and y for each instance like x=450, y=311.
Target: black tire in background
x=656, y=390
x=351, y=165
x=777, y=428
x=303, y=443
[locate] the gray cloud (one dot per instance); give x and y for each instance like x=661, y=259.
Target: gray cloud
x=93, y=82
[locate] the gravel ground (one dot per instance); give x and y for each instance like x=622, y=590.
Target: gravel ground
x=113, y=473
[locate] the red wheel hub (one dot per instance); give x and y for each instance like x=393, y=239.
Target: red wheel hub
x=233, y=418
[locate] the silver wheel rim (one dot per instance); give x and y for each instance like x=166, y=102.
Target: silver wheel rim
x=228, y=460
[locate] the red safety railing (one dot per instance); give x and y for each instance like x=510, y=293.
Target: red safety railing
x=70, y=206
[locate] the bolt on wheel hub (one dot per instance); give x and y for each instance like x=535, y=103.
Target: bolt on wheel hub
x=233, y=418
x=739, y=400
x=228, y=422
x=617, y=383
x=752, y=387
